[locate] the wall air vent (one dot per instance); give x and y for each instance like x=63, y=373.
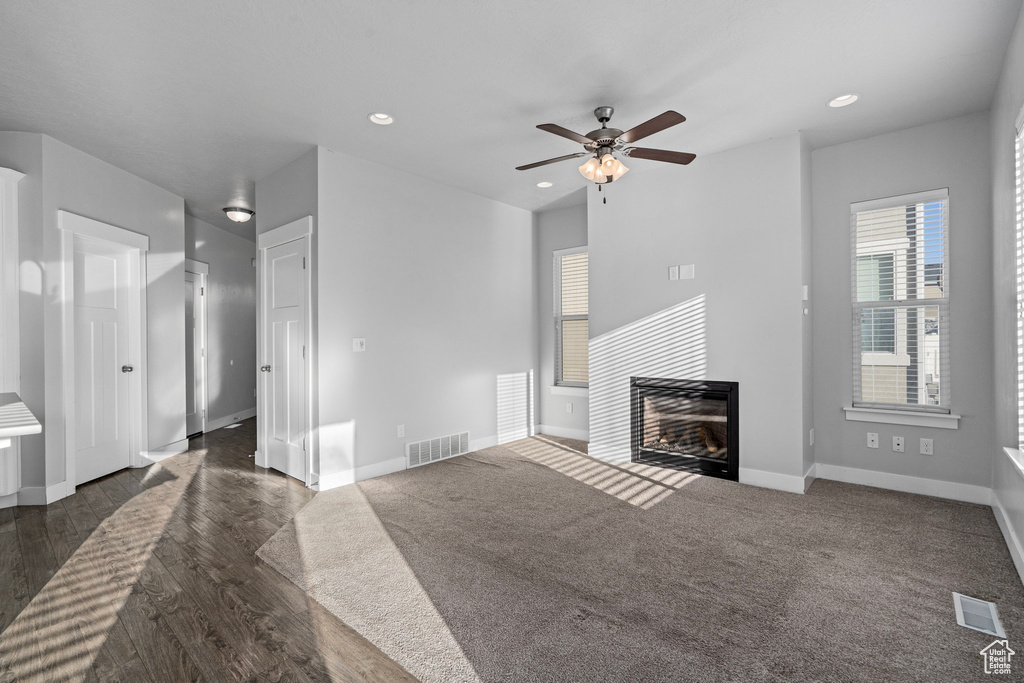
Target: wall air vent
x=431, y=450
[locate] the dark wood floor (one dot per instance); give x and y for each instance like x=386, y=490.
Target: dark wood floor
x=151, y=575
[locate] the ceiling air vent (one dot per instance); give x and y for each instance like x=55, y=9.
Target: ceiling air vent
x=440, y=448
x=978, y=614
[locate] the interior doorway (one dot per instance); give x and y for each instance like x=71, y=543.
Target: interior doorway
x=104, y=347
x=284, y=382
x=196, y=277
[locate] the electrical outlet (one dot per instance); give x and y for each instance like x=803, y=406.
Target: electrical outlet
x=568, y=408
x=673, y=272
x=872, y=439
x=926, y=447
x=358, y=344
x=897, y=444
x=401, y=431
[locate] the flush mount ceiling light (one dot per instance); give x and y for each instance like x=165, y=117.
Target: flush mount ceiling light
x=239, y=214
x=381, y=119
x=603, y=166
x=843, y=100
x=544, y=184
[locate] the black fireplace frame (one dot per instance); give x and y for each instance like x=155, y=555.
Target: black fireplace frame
x=712, y=389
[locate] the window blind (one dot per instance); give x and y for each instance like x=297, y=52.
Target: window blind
x=1019, y=192
x=572, y=365
x=900, y=259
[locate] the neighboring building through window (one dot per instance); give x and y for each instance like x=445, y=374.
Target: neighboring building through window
x=900, y=270
x=572, y=328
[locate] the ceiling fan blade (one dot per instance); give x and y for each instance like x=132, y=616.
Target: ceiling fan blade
x=658, y=123
x=661, y=155
x=564, y=132
x=549, y=161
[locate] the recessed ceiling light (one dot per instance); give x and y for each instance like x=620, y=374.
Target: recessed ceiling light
x=381, y=119
x=544, y=183
x=239, y=214
x=843, y=100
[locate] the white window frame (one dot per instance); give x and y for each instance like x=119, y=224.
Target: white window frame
x=559, y=318
x=913, y=414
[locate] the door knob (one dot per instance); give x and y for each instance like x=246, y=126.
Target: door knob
x=126, y=368
x=265, y=368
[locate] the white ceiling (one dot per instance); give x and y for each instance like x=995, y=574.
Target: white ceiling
x=203, y=97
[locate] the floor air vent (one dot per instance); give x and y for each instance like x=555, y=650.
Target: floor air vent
x=422, y=452
x=978, y=614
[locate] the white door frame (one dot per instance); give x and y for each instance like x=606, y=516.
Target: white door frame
x=72, y=225
x=203, y=271
x=298, y=229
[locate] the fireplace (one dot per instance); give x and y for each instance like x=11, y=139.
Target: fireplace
x=690, y=425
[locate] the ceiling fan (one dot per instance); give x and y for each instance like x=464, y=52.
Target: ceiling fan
x=602, y=167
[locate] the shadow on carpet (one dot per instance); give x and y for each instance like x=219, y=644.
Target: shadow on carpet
x=533, y=562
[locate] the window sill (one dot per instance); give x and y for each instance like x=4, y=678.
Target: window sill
x=903, y=417
x=1016, y=457
x=570, y=391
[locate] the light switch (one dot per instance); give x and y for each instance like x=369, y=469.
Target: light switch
x=358, y=344
x=673, y=272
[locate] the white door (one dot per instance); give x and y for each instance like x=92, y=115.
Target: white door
x=195, y=353
x=285, y=304
x=102, y=362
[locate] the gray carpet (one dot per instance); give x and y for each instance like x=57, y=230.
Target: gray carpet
x=533, y=562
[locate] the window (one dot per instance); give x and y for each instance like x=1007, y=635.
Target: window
x=572, y=366
x=1020, y=277
x=901, y=302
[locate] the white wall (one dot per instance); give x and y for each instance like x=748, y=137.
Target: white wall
x=231, y=314
x=806, y=329
x=63, y=178
x=953, y=154
x=557, y=229
x=441, y=284
x=737, y=217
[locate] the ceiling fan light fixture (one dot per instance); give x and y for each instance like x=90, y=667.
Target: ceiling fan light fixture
x=239, y=214
x=843, y=100
x=590, y=168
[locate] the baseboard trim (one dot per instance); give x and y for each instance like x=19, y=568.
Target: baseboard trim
x=967, y=493
x=220, y=422
x=809, y=476
x=43, y=495
x=482, y=443
x=773, y=480
x=9, y=501
x=564, y=432
x=377, y=469
x=1009, y=535
x=154, y=456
